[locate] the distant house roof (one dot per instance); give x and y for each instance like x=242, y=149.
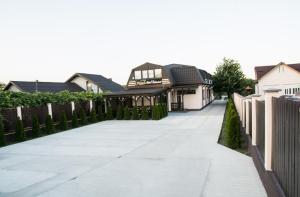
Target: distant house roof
x=53, y=87
x=262, y=70
x=104, y=83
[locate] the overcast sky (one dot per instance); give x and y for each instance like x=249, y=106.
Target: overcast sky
x=51, y=40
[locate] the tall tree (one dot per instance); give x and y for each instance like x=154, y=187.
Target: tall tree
x=228, y=77
x=2, y=86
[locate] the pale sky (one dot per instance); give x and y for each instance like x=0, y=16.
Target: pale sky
x=51, y=40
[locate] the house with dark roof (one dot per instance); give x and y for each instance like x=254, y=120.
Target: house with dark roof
x=285, y=77
x=76, y=83
x=182, y=87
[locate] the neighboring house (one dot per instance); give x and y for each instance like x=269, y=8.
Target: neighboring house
x=77, y=83
x=95, y=83
x=182, y=87
x=285, y=77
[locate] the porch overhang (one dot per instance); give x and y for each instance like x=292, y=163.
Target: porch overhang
x=136, y=92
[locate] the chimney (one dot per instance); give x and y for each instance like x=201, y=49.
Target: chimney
x=36, y=85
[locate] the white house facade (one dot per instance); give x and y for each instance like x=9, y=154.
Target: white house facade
x=285, y=77
x=181, y=87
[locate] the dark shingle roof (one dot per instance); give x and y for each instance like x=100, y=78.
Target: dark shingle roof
x=28, y=86
x=262, y=70
x=104, y=83
x=187, y=75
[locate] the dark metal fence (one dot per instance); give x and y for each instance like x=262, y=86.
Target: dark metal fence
x=260, y=127
x=286, y=144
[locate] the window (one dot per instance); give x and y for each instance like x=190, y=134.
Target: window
x=158, y=73
x=145, y=74
x=151, y=74
x=137, y=75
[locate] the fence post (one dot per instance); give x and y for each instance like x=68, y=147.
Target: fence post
x=49, y=109
x=72, y=106
x=269, y=94
x=247, y=118
x=19, y=112
x=243, y=113
x=91, y=105
x=169, y=101
x=254, y=123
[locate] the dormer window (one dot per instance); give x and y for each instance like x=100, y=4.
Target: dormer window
x=137, y=75
x=145, y=74
x=150, y=74
x=158, y=73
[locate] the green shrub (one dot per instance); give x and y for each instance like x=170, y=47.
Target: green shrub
x=109, y=114
x=232, y=127
x=145, y=115
x=135, y=113
x=49, y=128
x=126, y=113
x=74, y=119
x=155, y=112
x=83, y=118
x=2, y=136
x=20, y=134
x=120, y=112
x=160, y=111
x=36, y=131
x=93, y=116
x=63, y=121
x=100, y=114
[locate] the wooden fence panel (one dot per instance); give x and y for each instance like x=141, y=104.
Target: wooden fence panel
x=260, y=128
x=57, y=109
x=286, y=148
x=27, y=112
x=9, y=118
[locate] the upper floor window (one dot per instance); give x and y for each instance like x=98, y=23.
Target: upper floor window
x=151, y=74
x=145, y=74
x=137, y=74
x=158, y=73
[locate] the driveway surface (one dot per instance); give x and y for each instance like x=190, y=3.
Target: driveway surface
x=174, y=157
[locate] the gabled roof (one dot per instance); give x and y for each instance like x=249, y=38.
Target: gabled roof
x=263, y=70
x=187, y=75
x=104, y=83
x=53, y=87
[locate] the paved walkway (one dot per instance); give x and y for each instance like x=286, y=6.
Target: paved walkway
x=175, y=157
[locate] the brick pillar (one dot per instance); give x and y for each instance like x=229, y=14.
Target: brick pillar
x=169, y=101
x=269, y=94
x=73, y=106
x=254, y=99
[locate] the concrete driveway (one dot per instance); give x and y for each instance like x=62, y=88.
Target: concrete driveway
x=175, y=157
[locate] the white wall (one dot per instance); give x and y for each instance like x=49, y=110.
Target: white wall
x=13, y=88
x=82, y=83
x=281, y=77
x=193, y=101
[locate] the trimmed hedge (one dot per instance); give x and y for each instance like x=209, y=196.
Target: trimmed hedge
x=135, y=113
x=20, y=134
x=126, y=113
x=93, y=117
x=49, y=128
x=63, y=121
x=119, y=113
x=36, y=131
x=232, y=127
x=83, y=119
x=100, y=114
x=145, y=115
x=109, y=114
x=74, y=119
